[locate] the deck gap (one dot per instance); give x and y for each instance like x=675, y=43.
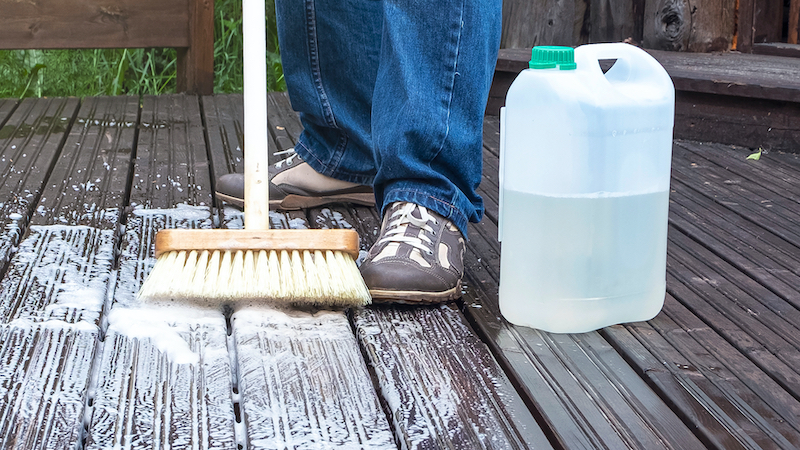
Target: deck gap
x=516, y=382
x=373, y=377
x=207, y=142
x=240, y=433
x=126, y=199
x=94, y=380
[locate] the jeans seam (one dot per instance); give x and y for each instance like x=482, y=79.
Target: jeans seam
x=451, y=87
x=316, y=70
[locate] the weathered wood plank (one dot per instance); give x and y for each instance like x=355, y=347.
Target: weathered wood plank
x=56, y=285
x=94, y=24
x=303, y=382
x=615, y=20
x=543, y=23
x=708, y=382
x=164, y=375
x=736, y=74
x=7, y=106
x=745, y=198
x=163, y=381
x=681, y=25
x=30, y=140
x=434, y=374
x=44, y=381
x=752, y=250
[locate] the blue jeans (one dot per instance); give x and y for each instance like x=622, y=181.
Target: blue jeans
x=392, y=93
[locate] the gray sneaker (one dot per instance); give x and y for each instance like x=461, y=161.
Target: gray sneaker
x=293, y=184
x=419, y=257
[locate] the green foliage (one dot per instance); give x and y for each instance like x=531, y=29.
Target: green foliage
x=50, y=73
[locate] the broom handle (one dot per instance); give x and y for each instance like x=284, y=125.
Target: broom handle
x=256, y=179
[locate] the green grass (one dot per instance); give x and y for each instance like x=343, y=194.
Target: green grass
x=52, y=73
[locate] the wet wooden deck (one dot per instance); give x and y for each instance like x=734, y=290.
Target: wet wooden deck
x=84, y=184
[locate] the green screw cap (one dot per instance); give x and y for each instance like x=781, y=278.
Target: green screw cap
x=551, y=56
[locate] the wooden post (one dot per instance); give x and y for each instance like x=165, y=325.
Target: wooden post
x=794, y=22
x=196, y=63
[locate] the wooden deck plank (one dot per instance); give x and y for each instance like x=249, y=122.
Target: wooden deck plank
x=30, y=140
x=434, y=374
x=55, y=288
x=740, y=196
x=431, y=369
x=164, y=375
x=301, y=380
x=726, y=337
x=551, y=371
x=718, y=368
x=7, y=105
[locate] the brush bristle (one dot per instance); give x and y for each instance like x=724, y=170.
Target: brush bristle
x=216, y=277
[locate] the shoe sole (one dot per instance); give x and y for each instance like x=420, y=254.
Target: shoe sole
x=295, y=202
x=415, y=297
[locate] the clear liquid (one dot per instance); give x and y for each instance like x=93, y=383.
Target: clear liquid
x=574, y=264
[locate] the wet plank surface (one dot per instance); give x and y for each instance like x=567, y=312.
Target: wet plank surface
x=86, y=184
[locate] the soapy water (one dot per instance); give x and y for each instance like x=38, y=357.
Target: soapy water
x=559, y=249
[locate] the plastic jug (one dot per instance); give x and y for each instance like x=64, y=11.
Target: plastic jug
x=584, y=188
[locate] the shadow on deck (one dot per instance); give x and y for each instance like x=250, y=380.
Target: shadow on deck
x=85, y=185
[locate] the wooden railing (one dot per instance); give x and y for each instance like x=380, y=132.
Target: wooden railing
x=187, y=25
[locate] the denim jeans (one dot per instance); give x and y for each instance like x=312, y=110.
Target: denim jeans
x=392, y=93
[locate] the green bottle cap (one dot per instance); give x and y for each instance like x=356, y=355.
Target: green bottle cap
x=551, y=56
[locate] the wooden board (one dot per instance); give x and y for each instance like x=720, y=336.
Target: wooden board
x=527, y=24
x=431, y=371
x=164, y=375
x=301, y=381
x=56, y=286
x=94, y=24
x=30, y=140
x=688, y=26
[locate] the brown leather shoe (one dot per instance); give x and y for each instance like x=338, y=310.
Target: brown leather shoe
x=295, y=185
x=419, y=257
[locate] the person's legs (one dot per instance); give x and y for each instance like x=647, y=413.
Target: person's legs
x=392, y=93
x=436, y=67
x=329, y=51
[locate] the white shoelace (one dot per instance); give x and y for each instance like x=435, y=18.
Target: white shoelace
x=290, y=156
x=402, y=216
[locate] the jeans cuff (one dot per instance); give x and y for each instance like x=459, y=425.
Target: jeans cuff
x=446, y=209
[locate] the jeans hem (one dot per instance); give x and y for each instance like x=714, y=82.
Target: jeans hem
x=444, y=208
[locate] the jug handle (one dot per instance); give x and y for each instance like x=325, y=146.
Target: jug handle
x=632, y=63
x=501, y=173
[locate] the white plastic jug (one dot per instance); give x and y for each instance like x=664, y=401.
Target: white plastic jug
x=584, y=189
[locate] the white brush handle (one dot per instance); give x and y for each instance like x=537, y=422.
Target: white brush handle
x=256, y=178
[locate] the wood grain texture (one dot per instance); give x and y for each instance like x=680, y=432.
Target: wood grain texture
x=335, y=240
x=163, y=381
x=685, y=25
x=56, y=285
x=163, y=378
x=527, y=24
x=44, y=383
x=303, y=382
x=195, y=65
x=30, y=141
x=434, y=374
x=94, y=24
